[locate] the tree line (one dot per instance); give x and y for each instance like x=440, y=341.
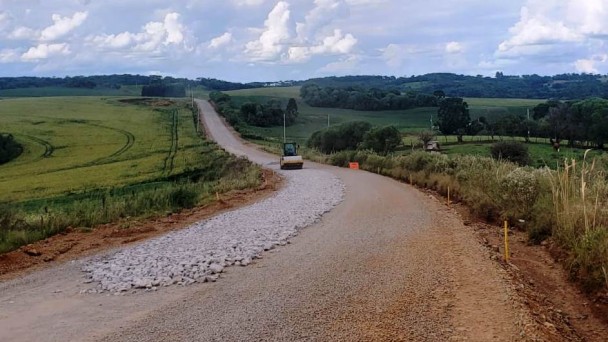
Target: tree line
x=562, y=86
x=164, y=90
x=356, y=135
x=359, y=98
x=581, y=123
x=271, y=113
x=9, y=148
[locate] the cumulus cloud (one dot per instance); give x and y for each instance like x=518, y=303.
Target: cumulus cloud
x=337, y=43
x=248, y=2
x=112, y=41
x=43, y=51
x=590, y=65
x=345, y=65
x=5, y=20
x=536, y=29
x=153, y=37
x=275, y=33
x=219, y=41
x=62, y=26
x=395, y=55
x=366, y=2
x=323, y=13
x=23, y=33
x=590, y=16
x=454, y=48
x=9, y=55
x=557, y=22
x=174, y=29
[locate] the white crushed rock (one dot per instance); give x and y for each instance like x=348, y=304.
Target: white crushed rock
x=200, y=252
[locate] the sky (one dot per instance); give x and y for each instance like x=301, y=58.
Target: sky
x=270, y=40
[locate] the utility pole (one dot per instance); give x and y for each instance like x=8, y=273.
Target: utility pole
x=284, y=136
x=528, y=124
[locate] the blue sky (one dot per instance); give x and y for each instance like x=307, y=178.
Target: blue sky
x=268, y=40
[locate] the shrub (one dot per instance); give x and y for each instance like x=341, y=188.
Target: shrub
x=183, y=198
x=382, y=140
x=512, y=151
x=346, y=136
x=9, y=148
x=519, y=190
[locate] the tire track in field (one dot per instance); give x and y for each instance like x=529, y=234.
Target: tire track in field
x=169, y=160
x=127, y=146
x=48, y=147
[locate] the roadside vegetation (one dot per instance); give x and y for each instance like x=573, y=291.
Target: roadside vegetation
x=566, y=205
x=89, y=161
x=551, y=191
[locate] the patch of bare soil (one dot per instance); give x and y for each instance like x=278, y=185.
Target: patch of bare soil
x=557, y=305
x=78, y=242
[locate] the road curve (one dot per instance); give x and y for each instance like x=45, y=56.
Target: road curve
x=389, y=263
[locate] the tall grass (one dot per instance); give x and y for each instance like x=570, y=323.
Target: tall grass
x=568, y=204
x=20, y=226
x=580, y=198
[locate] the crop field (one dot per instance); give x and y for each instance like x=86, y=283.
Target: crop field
x=75, y=144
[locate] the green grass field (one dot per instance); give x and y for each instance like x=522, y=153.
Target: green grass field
x=540, y=154
x=73, y=144
x=312, y=119
x=492, y=109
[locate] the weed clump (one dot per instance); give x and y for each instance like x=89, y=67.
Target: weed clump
x=512, y=151
x=183, y=197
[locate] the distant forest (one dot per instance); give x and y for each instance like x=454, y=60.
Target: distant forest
x=359, y=98
x=560, y=87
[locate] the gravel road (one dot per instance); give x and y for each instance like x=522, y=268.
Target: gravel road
x=388, y=263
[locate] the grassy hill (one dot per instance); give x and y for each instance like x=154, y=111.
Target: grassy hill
x=73, y=144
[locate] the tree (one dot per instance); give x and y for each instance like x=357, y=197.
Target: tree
x=452, y=115
x=440, y=94
x=9, y=148
x=559, y=121
x=291, y=112
x=346, y=136
x=382, y=140
x=425, y=137
x=591, y=116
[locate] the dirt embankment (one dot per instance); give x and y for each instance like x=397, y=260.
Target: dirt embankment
x=556, y=304
x=79, y=242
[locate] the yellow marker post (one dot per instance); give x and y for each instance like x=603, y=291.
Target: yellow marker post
x=506, y=242
x=448, y=196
